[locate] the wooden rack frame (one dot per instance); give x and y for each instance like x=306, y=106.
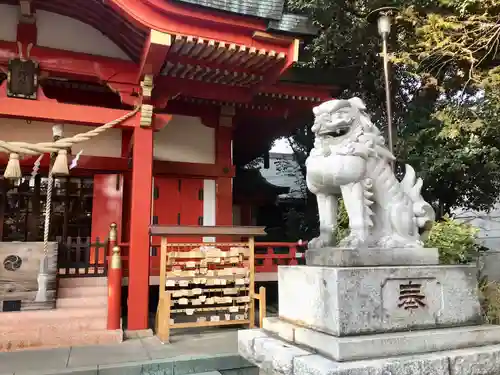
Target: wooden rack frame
x=202, y=265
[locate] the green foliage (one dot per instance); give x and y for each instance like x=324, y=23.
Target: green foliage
x=445, y=87
x=342, y=222
x=456, y=241
x=490, y=301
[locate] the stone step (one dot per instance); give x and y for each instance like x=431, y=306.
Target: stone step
x=352, y=348
x=82, y=291
x=57, y=338
x=18, y=318
x=82, y=302
x=71, y=282
x=275, y=356
x=72, y=324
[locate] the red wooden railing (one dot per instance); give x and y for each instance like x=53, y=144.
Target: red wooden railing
x=268, y=256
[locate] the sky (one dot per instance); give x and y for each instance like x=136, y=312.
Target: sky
x=281, y=146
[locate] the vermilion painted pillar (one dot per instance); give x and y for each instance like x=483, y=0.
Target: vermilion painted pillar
x=140, y=217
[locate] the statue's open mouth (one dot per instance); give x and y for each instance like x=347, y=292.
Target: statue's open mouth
x=339, y=132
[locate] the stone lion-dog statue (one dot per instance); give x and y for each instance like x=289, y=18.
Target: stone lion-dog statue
x=349, y=158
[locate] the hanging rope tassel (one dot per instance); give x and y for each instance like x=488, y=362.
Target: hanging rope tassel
x=60, y=167
x=43, y=277
x=13, y=169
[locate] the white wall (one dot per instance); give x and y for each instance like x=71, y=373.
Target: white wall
x=108, y=143
x=185, y=139
x=487, y=223
x=8, y=22
x=209, y=206
x=489, y=236
x=60, y=32
x=66, y=33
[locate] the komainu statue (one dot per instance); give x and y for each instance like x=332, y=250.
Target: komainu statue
x=350, y=159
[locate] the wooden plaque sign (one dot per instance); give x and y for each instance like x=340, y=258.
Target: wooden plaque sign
x=22, y=81
x=206, y=284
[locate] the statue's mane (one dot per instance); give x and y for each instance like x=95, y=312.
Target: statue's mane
x=368, y=132
x=362, y=129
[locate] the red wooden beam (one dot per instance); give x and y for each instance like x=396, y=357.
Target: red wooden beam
x=207, y=110
x=45, y=109
x=52, y=111
x=192, y=169
x=154, y=53
x=98, y=164
x=88, y=163
x=74, y=64
x=169, y=87
x=272, y=76
x=295, y=89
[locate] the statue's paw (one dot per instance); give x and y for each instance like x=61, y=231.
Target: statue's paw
x=319, y=242
x=353, y=241
x=398, y=241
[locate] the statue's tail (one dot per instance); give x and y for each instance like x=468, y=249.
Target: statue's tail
x=424, y=213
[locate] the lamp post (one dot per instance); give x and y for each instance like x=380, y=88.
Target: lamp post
x=384, y=21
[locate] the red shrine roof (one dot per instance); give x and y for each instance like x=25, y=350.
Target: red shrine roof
x=229, y=50
x=203, y=54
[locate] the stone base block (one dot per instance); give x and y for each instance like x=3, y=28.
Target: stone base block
x=367, y=300
x=342, y=257
x=352, y=348
x=274, y=356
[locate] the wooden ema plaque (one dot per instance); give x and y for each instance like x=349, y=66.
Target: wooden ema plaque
x=206, y=284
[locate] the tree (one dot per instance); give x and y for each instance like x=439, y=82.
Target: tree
x=454, y=52
x=445, y=85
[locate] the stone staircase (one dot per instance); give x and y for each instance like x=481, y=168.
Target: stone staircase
x=80, y=318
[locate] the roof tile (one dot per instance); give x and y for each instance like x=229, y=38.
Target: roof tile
x=271, y=9
x=293, y=23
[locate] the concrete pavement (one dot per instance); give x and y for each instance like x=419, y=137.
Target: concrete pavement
x=189, y=353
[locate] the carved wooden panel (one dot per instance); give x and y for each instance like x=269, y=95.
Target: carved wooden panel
x=19, y=268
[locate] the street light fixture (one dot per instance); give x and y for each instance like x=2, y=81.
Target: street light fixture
x=384, y=20
x=384, y=24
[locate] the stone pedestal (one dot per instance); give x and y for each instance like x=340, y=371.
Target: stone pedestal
x=340, y=314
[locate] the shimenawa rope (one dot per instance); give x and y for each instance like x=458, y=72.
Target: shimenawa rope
x=60, y=167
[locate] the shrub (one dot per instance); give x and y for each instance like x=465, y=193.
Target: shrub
x=489, y=292
x=342, y=222
x=456, y=241
x=457, y=245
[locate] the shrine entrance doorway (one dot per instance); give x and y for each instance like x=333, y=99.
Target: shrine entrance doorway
x=176, y=201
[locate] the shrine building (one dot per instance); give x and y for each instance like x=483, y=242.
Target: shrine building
x=215, y=82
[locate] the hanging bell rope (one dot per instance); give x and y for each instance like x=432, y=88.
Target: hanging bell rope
x=60, y=167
